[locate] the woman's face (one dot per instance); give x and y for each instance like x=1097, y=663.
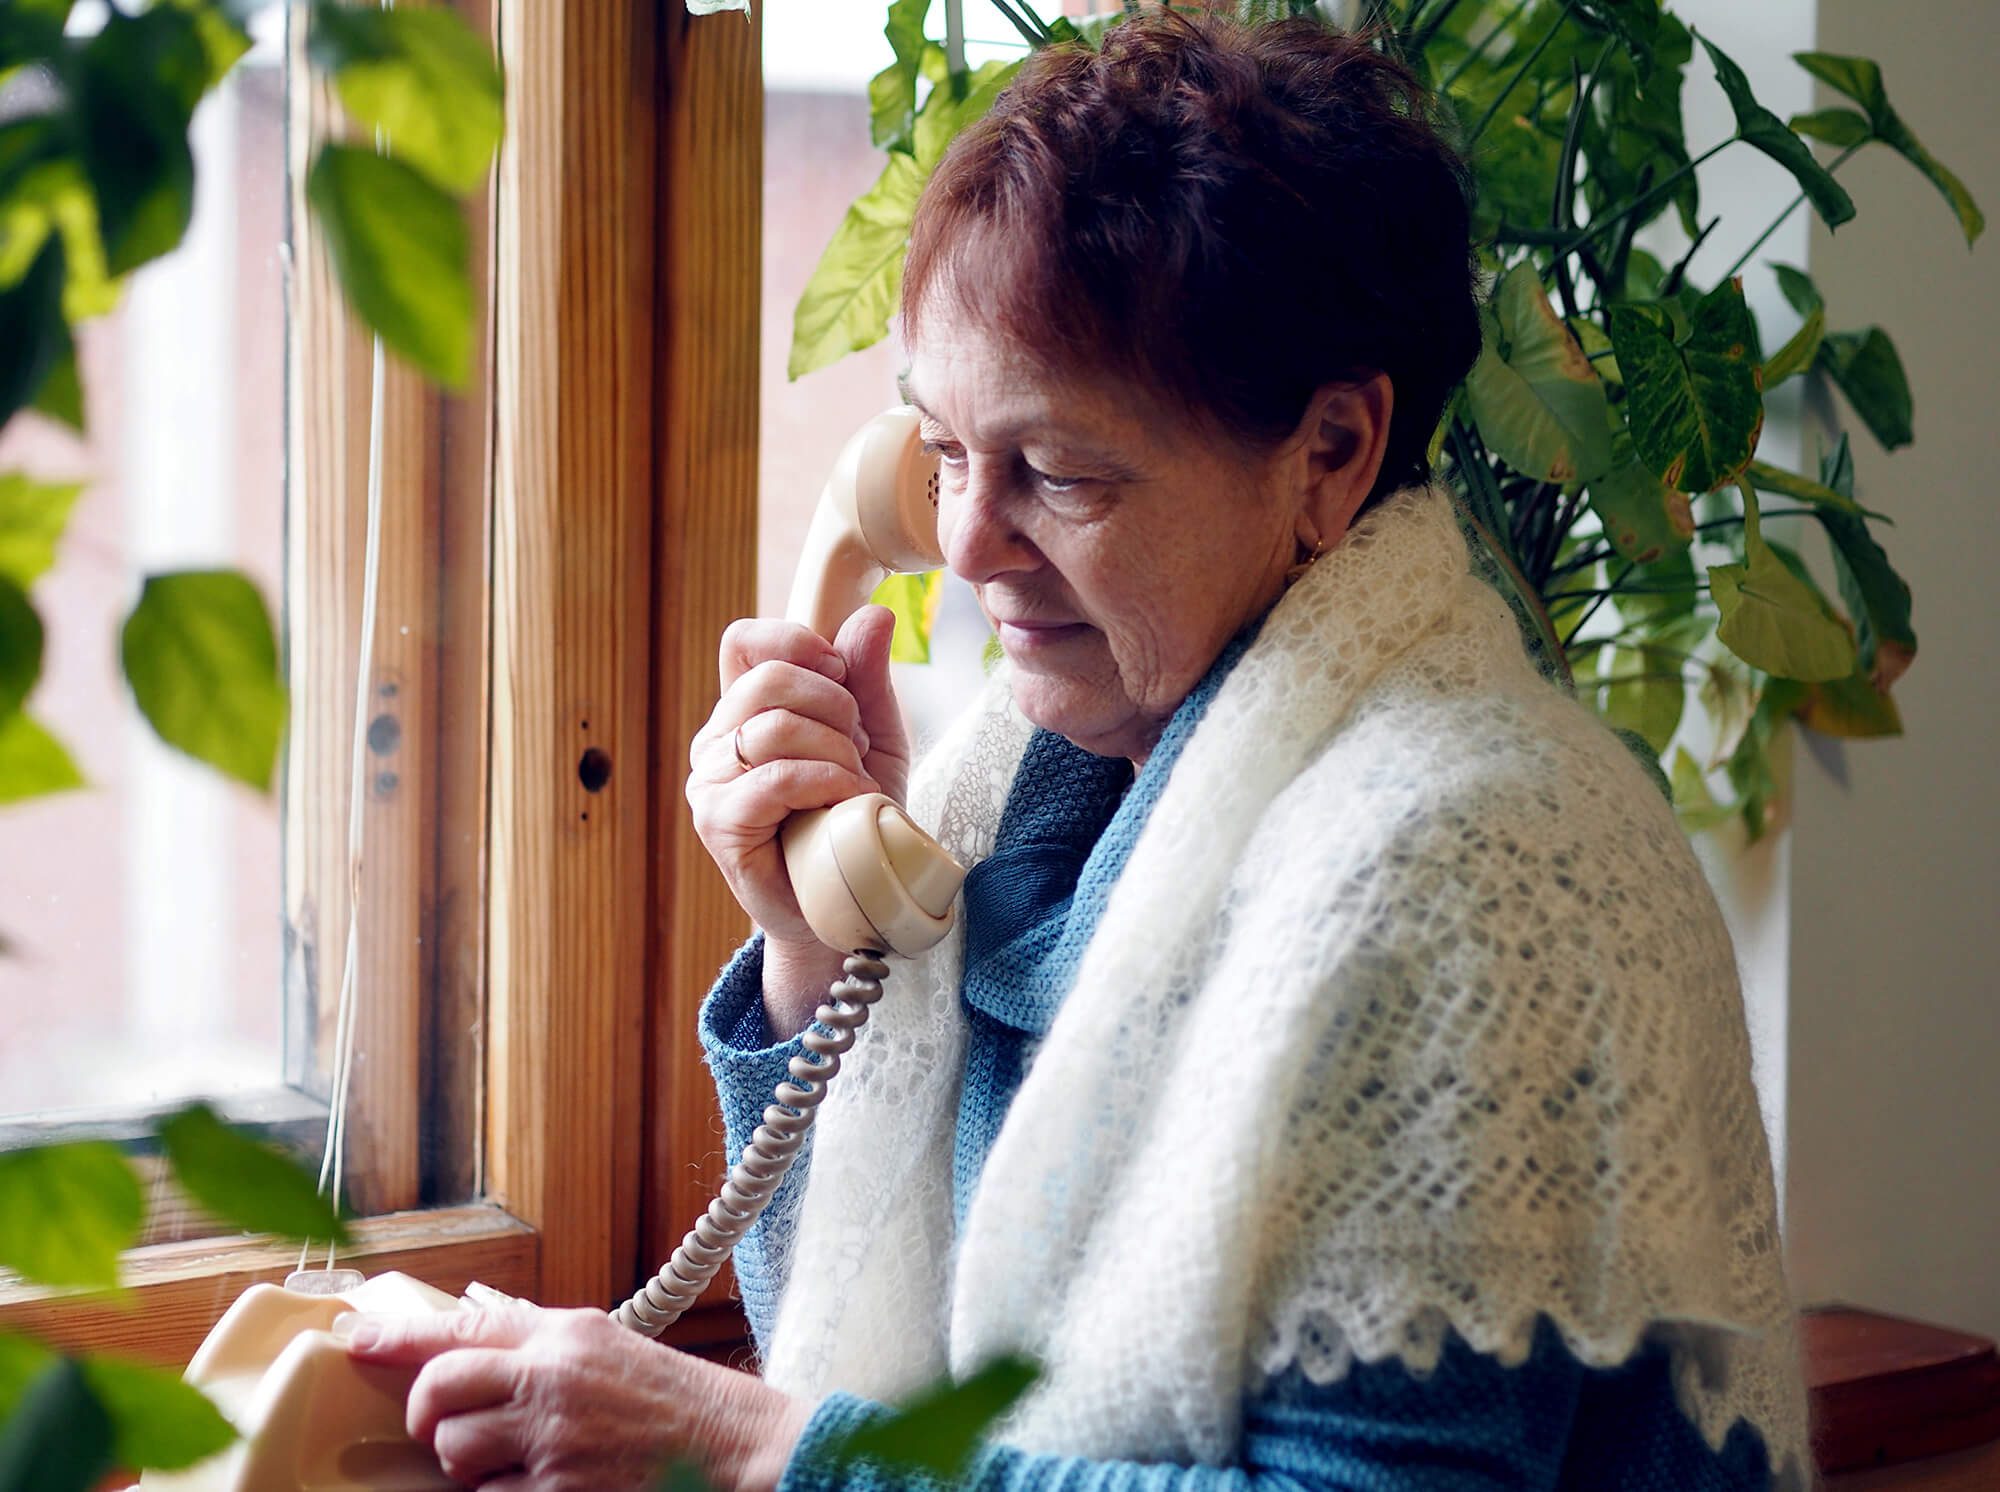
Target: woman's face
x=1113, y=546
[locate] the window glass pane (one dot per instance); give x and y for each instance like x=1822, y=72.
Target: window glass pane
x=142, y=912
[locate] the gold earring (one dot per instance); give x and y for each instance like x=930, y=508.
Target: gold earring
x=1292, y=575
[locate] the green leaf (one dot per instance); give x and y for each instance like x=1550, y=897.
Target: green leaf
x=32, y=517
x=938, y=1430
x=243, y=1182
x=202, y=660
x=1760, y=766
x=159, y=1422
x=1660, y=595
x=1694, y=804
x=1799, y=290
x=950, y=109
x=224, y=38
x=423, y=77
x=1645, y=694
x=1869, y=372
x=1765, y=130
x=1534, y=395
x=1777, y=479
x=1642, y=516
x=32, y=334
x=1694, y=407
x=892, y=93
x=58, y=1439
x=1861, y=80
x=20, y=647
x=1798, y=353
x=61, y=398
x=67, y=1212
x=135, y=86
x=1878, y=599
x=1772, y=618
x=1834, y=126
x=914, y=600
x=1853, y=708
x=399, y=247
x=847, y=303
x=33, y=763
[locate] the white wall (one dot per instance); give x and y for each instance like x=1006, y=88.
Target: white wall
x=1894, y=1122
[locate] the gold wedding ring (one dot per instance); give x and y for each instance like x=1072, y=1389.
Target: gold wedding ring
x=736, y=745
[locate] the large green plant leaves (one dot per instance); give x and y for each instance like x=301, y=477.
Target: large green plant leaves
x=32, y=517
x=1771, y=617
x=1869, y=372
x=892, y=92
x=1641, y=515
x=202, y=660
x=848, y=302
x=937, y=1431
x=1878, y=599
x=1534, y=395
x=151, y=1419
x=248, y=1184
x=1765, y=130
x=1694, y=406
x=399, y=247
x=421, y=76
x=67, y=1212
x=20, y=647
x=58, y=1437
x=32, y=334
x=1861, y=80
x=32, y=763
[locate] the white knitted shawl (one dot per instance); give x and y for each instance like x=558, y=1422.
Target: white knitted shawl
x=1411, y=1009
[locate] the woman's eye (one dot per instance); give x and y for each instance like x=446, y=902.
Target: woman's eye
x=1049, y=482
x=949, y=452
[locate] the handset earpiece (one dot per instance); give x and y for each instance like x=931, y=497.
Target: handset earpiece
x=865, y=875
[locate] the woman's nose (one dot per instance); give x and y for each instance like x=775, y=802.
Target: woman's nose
x=979, y=538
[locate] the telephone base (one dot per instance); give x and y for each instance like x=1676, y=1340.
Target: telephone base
x=312, y=1418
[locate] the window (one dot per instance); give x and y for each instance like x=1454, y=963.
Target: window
x=559, y=551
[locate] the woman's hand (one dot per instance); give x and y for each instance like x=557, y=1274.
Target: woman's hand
x=518, y=1397
x=817, y=723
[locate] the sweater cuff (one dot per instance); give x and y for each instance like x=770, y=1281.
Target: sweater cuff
x=732, y=1025
x=811, y=1467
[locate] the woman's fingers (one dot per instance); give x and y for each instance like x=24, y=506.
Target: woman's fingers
x=459, y=1382
x=780, y=735
x=777, y=685
x=750, y=641
x=474, y=1448
x=764, y=797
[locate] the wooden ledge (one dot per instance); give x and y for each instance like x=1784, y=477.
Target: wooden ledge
x=1885, y=1390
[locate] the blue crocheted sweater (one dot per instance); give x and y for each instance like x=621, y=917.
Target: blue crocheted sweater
x=1069, y=824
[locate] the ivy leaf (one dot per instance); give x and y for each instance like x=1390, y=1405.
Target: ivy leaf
x=421, y=76
x=937, y=1431
x=399, y=247
x=1773, y=617
x=33, y=763
x=892, y=92
x=1869, y=372
x=1841, y=127
x=58, y=1439
x=914, y=600
x=67, y=1212
x=202, y=660
x=158, y=1421
x=1534, y=395
x=1765, y=130
x=1861, y=80
x=1878, y=599
x=851, y=296
x=1694, y=408
x=20, y=647
x=32, y=517
x=135, y=86
x=243, y=1182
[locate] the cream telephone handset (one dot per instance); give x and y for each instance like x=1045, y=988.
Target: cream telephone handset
x=869, y=882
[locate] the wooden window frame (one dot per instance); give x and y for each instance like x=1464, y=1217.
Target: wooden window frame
x=623, y=443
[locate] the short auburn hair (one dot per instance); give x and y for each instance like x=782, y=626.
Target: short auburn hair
x=1231, y=214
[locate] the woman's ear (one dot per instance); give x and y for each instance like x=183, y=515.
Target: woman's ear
x=1338, y=451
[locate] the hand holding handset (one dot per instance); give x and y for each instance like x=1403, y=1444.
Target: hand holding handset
x=868, y=881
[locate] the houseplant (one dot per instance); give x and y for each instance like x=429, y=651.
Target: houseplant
x=1604, y=448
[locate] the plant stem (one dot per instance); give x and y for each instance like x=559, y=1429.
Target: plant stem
x=1591, y=610
x=1484, y=42
x=1744, y=258
x=1519, y=73
x=1422, y=37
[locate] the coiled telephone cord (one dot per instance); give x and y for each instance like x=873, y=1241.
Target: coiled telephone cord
x=767, y=1158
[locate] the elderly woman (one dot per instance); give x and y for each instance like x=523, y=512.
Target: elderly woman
x=1338, y=1079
